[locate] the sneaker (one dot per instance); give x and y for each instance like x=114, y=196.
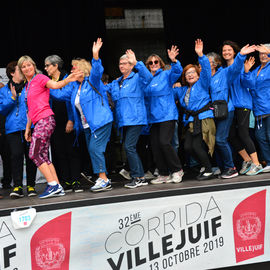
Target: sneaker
x=67, y=186
x=125, y=174
x=177, y=176
x=50, y=191
x=149, y=176
x=229, y=173
x=216, y=170
x=156, y=172
x=135, y=182
x=255, y=169
x=76, y=186
x=205, y=176
x=143, y=181
x=246, y=165
x=31, y=191
x=266, y=169
x=60, y=193
x=101, y=185
x=17, y=193
x=87, y=178
x=162, y=179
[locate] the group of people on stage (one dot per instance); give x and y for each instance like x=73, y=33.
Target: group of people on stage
x=212, y=104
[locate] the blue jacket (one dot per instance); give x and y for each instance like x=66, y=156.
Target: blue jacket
x=199, y=93
x=95, y=108
x=159, y=94
x=14, y=110
x=259, y=88
x=129, y=99
x=240, y=95
x=223, y=78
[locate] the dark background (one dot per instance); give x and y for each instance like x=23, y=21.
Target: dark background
x=42, y=28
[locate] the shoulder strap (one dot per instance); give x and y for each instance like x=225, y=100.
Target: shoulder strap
x=95, y=89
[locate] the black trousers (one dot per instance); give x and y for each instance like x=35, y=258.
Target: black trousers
x=19, y=150
x=66, y=155
x=165, y=156
x=5, y=155
x=196, y=147
x=239, y=133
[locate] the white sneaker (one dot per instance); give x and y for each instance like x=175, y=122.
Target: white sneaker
x=266, y=169
x=125, y=174
x=177, y=177
x=162, y=179
x=148, y=175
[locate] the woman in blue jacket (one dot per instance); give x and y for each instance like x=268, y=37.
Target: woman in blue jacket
x=239, y=133
x=163, y=114
x=12, y=105
x=219, y=88
x=92, y=113
x=194, y=97
x=258, y=81
x=130, y=113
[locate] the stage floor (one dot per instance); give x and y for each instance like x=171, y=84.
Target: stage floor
x=119, y=193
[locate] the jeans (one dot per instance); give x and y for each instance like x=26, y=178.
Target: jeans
x=222, y=145
x=262, y=133
x=131, y=136
x=96, y=143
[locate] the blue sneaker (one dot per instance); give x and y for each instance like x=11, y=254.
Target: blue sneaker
x=50, y=191
x=101, y=185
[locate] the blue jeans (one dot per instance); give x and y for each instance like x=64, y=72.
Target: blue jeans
x=96, y=143
x=262, y=133
x=222, y=145
x=131, y=136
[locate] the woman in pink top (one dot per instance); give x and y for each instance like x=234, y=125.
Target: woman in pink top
x=37, y=93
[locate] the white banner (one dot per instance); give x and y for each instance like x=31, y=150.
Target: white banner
x=197, y=231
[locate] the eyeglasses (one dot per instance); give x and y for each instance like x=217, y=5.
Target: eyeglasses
x=153, y=62
x=190, y=72
x=47, y=65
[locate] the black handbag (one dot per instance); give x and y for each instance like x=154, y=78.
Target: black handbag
x=220, y=109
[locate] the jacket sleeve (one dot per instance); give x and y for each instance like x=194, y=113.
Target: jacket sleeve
x=62, y=94
x=69, y=111
x=175, y=72
x=248, y=80
x=234, y=70
x=205, y=75
x=96, y=73
x=7, y=103
x=144, y=74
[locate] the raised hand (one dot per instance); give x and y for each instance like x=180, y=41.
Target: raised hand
x=173, y=52
x=248, y=49
x=199, y=47
x=131, y=57
x=249, y=64
x=262, y=49
x=96, y=48
x=13, y=91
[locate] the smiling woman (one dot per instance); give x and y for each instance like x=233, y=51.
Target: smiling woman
x=39, y=112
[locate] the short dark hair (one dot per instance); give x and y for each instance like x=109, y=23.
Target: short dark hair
x=11, y=67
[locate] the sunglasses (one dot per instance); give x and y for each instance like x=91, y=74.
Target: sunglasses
x=153, y=62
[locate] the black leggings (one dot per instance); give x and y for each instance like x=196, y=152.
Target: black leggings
x=239, y=133
x=196, y=147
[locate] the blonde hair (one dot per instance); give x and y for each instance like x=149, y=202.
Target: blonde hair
x=83, y=65
x=28, y=59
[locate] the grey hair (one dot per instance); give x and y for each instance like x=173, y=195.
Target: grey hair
x=267, y=45
x=215, y=58
x=55, y=60
x=124, y=56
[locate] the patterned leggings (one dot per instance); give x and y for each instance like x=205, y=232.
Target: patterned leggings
x=40, y=141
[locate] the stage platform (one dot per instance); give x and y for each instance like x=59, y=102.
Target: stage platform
x=119, y=193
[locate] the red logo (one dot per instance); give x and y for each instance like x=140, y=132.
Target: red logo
x=50, y=245
x=249, y=227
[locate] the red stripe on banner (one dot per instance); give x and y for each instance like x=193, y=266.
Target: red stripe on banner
x=249, y=227
x=50, y=245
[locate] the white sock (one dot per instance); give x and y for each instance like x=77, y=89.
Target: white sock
x=52, y=183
